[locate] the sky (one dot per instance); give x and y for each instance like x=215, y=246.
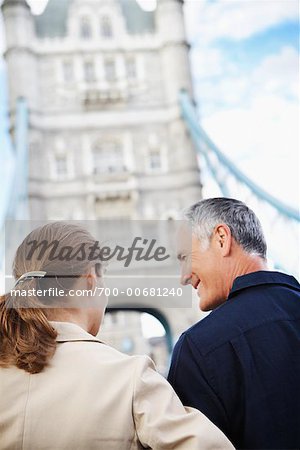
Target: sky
x=245, y=61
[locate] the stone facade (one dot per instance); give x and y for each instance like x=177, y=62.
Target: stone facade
x=101, y=79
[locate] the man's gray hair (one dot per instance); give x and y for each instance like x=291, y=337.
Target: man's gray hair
x=241, y=220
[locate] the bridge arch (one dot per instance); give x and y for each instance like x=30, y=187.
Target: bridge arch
x=159, y=315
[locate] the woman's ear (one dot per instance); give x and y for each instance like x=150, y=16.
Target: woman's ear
x=223, y=239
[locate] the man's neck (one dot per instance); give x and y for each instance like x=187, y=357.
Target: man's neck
x=247, y=264
x=242, y=264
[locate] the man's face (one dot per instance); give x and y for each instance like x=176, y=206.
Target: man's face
x=202, y=268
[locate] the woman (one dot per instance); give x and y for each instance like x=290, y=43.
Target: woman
x=62, y=388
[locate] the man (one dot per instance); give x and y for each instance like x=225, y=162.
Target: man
x=240, y=365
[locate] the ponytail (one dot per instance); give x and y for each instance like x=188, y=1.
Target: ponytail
x=27, y=339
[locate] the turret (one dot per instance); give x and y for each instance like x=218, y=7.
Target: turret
x=19, y=54
x=175, y=49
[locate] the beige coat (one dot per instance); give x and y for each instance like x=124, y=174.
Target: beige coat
x=94, y=397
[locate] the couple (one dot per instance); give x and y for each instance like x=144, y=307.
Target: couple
x=61, y=388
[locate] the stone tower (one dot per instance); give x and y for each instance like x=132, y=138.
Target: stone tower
x=19, y=55
x=101, y=78
x=174, y=50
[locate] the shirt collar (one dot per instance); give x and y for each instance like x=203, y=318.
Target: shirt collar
x=68, y=331
x=263, y=277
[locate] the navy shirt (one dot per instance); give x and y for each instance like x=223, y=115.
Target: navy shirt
x=240, y=365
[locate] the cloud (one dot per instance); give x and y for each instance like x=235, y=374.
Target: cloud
x=221, y=84
x=251, y=111
x=263, y=140
x=236, y=19
x=279, y=73
x=147, y=5
x=253, y=117
x=37, y=6
x=207, y=62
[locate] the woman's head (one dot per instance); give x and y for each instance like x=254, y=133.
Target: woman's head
x=64, y=292
x=55, y=249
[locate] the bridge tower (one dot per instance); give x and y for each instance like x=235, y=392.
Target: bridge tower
x=175, y=49
x=19, y=55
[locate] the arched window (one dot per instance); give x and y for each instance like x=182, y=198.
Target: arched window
x=89, y=71
x=155, y=162
x=85, y=28
x=61, y=166
x=139, y=331
x=110, y=70
x=68, y=73
x=105, y=27
x=131, y=68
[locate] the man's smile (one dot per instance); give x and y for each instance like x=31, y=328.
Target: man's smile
x=196, y=283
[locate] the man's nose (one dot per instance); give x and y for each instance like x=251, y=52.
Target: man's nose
x=186, y=279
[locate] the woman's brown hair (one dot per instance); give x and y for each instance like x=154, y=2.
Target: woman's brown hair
x=27, y=339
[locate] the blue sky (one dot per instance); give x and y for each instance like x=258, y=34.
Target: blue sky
x=245, y=58
x=249, y=52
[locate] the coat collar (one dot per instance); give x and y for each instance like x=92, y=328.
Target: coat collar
x=68, y=331
x=263, y=277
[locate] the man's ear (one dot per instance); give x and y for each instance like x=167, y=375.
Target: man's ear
x=222, y=238
x=91, y=278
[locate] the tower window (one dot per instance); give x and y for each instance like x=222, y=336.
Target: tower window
x=155, y=159
x=110, y=70
x=105, y=27
x=67, y=71
x=85, y=28
x=131, y=68
x=61, y=165
x=89, y=71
